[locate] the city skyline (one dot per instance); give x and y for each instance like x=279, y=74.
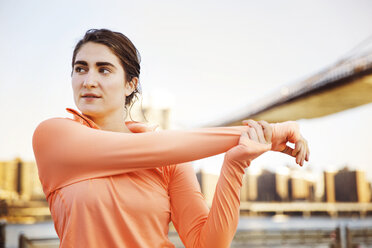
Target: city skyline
x=199, y=64
x=19, y=181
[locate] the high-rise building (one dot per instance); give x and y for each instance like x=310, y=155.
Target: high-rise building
x=363, y=187
x=9, y=173
x=19, y=180
x=351, y=186
x=301, y=189
x=266, y=187
x=152, y=113
x=208, y=183
x=285, y=185
x=31, y=185
x=282, y=187
x=249, y=187
x=329, y=187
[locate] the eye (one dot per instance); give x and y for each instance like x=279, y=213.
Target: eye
x=104, y=70
x=79, y=69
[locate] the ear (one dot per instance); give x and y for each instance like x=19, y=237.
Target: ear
x=131, y=86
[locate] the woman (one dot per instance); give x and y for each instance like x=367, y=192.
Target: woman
x=111, y=183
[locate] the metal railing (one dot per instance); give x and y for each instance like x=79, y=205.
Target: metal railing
x=39, y=242
x=339, y=237
x=288, y=238
x=2, y=234
x=358, y=237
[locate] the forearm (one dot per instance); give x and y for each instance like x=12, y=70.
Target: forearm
x=223, y=218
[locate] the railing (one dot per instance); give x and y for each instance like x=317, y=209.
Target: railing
x=307, y=208
x=40, y=242
x=340, y=237
x=288, y=238
x=2, y=234
x=358, y=237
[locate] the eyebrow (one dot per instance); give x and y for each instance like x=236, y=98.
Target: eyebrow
x=82, y=62
x=105, y=64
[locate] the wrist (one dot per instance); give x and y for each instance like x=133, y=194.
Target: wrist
x=275, y=136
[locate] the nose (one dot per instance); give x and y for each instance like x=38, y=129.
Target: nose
x=90, y=80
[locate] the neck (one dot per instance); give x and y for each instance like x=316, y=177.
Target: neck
x=112, y=121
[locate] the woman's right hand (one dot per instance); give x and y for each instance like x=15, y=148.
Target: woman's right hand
x=251, y=145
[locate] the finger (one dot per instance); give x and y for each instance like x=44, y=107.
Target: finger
x=300, y=157
x=303, y=152
x=297, y=159
x=303, y=155
x=299, y=154
x=243, y=138
x=252, y=134
x=297, y=149
x=258, y=129
x=267, y=129
x=307, y=153
x=288, y=150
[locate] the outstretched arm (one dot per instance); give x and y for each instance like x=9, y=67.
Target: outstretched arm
x=67, y=152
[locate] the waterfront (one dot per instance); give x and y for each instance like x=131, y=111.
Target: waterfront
x=247, y=226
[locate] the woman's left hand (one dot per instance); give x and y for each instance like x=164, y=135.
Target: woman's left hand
x=251, y=145
x=280, y=134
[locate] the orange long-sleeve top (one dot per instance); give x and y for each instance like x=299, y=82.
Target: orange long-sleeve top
x=111, y=189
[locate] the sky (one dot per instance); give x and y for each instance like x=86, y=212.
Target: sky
x=204, y=59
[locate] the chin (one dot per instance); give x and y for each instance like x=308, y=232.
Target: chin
x=90, y=110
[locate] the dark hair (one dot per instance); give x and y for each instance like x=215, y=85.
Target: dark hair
x=122, y=47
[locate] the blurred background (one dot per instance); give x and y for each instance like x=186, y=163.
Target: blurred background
x=209, y=63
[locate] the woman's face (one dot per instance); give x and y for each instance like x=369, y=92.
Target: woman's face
x=98, y=72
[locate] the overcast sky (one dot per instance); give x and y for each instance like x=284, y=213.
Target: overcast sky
x=204, y=59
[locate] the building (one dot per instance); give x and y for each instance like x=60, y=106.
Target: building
x=329, y=187
x=19, y=180
x=346, y=186
x=208, y=183
x=351, y=186
x=267, y=187
x=152, y=112
x=249, y=191
x=282, y=186
x=9, y=179
x=301, y=189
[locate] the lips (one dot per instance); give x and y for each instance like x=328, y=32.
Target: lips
x=90, y=95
